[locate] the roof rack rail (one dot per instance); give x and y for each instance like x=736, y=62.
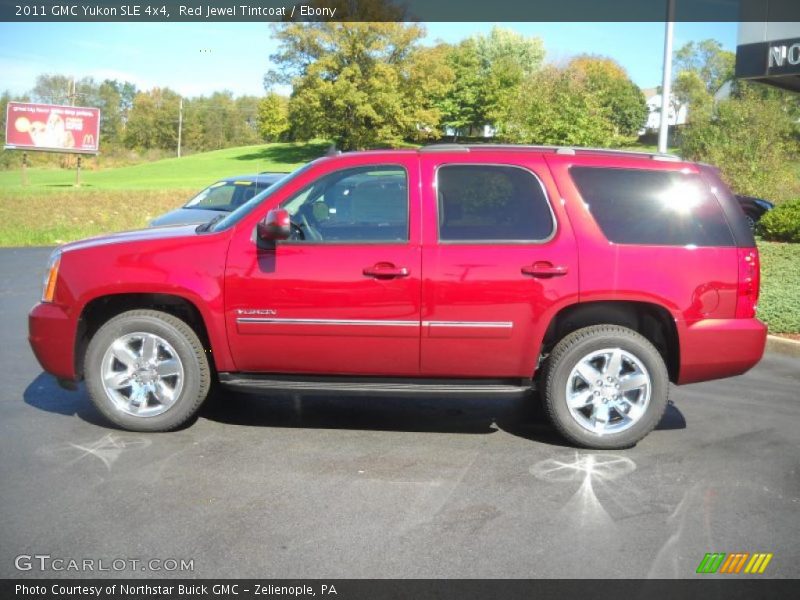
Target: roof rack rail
x=568, y=150
x=445, y=148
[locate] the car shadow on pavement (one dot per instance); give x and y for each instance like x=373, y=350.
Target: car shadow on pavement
x=519, y=415
x=45, y=394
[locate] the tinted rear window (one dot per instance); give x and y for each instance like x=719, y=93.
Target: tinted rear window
x=491, y=203
x=661, y=208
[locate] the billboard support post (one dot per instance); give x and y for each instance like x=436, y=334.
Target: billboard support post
x=78, y=172
x=24, y=168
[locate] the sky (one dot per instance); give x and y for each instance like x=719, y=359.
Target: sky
x=200, y=58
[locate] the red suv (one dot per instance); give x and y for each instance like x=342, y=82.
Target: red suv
x=597, y=277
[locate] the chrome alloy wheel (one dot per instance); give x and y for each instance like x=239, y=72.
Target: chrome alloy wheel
x=142, y=374
x=608, y=391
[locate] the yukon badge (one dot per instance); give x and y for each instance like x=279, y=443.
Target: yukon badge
x=256, y=311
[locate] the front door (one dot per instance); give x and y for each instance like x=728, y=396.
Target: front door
x=342, y=296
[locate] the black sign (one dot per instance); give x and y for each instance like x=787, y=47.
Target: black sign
x=776, y=62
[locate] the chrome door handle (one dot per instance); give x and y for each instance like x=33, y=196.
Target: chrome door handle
x=544, y=269
x=385, y=271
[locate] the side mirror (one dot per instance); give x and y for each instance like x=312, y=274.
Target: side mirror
x=276, y=225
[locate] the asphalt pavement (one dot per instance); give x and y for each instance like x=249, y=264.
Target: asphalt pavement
x=335, y=486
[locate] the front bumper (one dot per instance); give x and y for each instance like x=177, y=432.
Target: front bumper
x=51, y=334
x=716, y=348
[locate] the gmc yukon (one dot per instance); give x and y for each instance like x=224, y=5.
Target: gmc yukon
x=594, y=277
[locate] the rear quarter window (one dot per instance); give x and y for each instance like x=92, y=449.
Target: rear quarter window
x=648, y=207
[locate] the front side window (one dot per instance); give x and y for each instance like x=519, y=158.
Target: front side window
x=363, y=204
x=649, y=207
x=491, y=203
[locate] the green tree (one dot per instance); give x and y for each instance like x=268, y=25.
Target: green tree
x=690, y=90
x=153, y=120
x=701, y=69
x=713, y=65
x=63, y=89
x=350, y=80
x=428, y=82
x=5, y=98
x=751, y=138
x=488, y=72
x=52, y=88
x=462, y=107
x=273, y=117
x=110, y=105
x=609, y=83
x=556, y=106
x=507, y=58
x=220, y=121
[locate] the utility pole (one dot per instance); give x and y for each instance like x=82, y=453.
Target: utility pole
x=666, y=82
x=72, y=96
x=180, y=125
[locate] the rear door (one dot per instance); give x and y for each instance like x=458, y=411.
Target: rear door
x=499, y=260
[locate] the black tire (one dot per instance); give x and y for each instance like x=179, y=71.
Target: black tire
x=752, y=221
x=579, y=344
x=196, y=370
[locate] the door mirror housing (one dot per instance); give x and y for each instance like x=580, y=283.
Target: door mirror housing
x=277, y=225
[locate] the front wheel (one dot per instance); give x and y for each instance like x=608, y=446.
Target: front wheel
x=605, y=387
x=147, y=371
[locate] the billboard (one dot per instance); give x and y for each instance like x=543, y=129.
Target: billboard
x=52, y=128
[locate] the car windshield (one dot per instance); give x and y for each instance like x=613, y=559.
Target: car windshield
x=226, y=195
x=240, y=212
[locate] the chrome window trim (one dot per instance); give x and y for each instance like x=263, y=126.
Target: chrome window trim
x=439, y=239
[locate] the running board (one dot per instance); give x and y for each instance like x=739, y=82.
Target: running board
x=374, y=385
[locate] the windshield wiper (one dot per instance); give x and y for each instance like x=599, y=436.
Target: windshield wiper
x=210, y=224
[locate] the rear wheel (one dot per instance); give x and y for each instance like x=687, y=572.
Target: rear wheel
x=147, y=371
x=605, y=387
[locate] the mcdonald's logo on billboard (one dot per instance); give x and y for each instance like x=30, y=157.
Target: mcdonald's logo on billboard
x=734, y=563
x=88, y=141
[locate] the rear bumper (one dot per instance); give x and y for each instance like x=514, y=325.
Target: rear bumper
x=51, y=334
x=716, y=348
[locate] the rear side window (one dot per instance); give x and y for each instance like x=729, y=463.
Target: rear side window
x=660, y=208
x=491, y=203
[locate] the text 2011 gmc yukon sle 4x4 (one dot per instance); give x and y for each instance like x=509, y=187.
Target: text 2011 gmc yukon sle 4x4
x=596, y=277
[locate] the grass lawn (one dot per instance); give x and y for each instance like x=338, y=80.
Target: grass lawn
x=51, y=210
x=779, y=303
x=49, y=219
x=190, y=172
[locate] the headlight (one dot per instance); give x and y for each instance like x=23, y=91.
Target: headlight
x=50, y=277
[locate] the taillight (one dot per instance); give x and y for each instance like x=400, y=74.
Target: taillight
x=749, y=281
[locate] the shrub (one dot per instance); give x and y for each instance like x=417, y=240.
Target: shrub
x=779, y=303
x=782, y=224
x=751, y=139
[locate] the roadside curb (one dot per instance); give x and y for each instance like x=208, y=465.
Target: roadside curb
x=783, y=346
